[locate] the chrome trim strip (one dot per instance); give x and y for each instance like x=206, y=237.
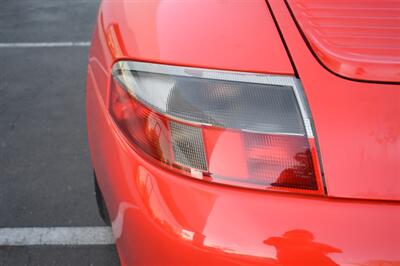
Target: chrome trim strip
x=248, y=77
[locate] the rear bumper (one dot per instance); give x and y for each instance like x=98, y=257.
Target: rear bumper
x=161, y=218
x=179, y=221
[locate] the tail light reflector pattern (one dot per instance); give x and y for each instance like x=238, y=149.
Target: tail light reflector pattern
x=241, y=129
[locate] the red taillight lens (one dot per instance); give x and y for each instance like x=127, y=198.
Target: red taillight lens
x=263, y=161
x=282, y=161
x=217, y=126
x=145, y=128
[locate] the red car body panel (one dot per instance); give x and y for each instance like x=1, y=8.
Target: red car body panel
x=160, y=217
x=164, y=218
x=357, y=39
x=219, y=34
x=356, y=123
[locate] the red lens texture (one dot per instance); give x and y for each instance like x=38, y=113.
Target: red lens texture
x=143, y=127
x=253, y=160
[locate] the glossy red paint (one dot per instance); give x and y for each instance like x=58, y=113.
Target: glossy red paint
x=356, y=123
x=216, y=34
x=357, y=39
x=163, y=218
x=160, y=217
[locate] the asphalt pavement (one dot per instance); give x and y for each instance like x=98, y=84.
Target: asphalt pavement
x=45, y=173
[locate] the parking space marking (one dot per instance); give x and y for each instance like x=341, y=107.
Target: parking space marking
x=28, y=236
x=43, y=44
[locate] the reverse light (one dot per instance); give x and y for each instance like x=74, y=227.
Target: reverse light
x=242, y=129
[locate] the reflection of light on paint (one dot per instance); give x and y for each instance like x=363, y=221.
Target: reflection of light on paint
x=112, y=40
x=158, y=208
x=229, y=243
x=196, y=174
x=118, y=222
x=188, y=235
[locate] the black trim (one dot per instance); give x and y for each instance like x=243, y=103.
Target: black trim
x=305, y=96
x=101, y=205
x=282, y=39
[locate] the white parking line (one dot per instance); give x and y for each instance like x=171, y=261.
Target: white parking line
x=42, y=44
x=27, y=236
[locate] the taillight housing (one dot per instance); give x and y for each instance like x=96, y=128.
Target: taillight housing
x=242, y=129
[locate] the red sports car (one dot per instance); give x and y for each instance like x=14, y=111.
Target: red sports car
x=248, y=132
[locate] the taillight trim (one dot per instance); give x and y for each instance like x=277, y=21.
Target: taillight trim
x=223, y=75
x=246, y=77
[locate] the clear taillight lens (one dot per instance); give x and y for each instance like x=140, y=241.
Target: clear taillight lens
x=241, y=129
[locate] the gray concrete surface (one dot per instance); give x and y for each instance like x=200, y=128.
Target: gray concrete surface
x=56, y=256
x=46, y=176
x=46, y=20
x=45, y=172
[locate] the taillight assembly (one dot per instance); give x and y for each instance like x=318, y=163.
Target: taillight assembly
x=243, y=129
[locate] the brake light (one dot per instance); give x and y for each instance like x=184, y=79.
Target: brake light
x=240, y=129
